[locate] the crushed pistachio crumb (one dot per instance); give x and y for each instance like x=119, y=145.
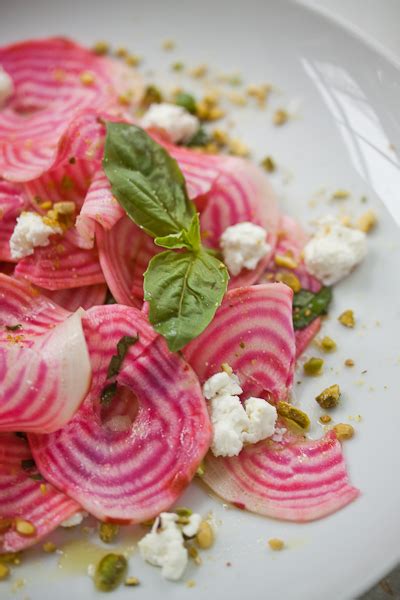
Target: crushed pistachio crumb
x=24, y=527
x=46, y=205
x=276, y=544
x=177, y=66
x=340, y=194
x=286, y=410
x=259, y=92
x=168, y=45
x=347, y=318
x=200, y=469
x=268, y=164
x=313, y=366
x=220, y=137
x=198, y=72
x=349, y=362
x=4, y=571
x=121, y=52
x=194, y=555
x=183, y=511
x=237, y=99
x=43, y=488
x=190, y=583
x=238, y=148
x=287, y=262
x=131, y=581
x=133, y=60
x=49, y=547
x=325, y=419
x=101, y=47
x=329, y=397
x=289, y=279
x=328, y=344
x=367, y=221
x=280, y=117
x=87, y=78
x=108, y=532
x=110, y=572
x=205, y=535
x=12, y=558
x=344, y=431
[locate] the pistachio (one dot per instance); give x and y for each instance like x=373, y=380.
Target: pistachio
x=183, y=511
x=24, y=527
x=329, y=398
x=200, y=469
x=110, y=572
x=325, y=419
x=285, y=261
x=65, y=208
x=349, y=362
x=131, y=581
x=367, y=221
x=101, y=48
x=205, y=535
x=49, y=547
x=344, y=431
x=276, y=544
x=289, y=279
x=328, y=344
x=347, y=318
x=313, y=366
x=280, y=117
x=4, y=571
x=292, y=413
x=13, y=558
x=87, y=78
x=340, y=194
x=108, y=532
x=268, y=164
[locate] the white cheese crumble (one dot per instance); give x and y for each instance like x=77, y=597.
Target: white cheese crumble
x=163, y=546
x=243, y=245
x=175, y=121
x=233, y=423
x=334, y=251
x=29, y=232
x=6, y=87
x=74, y=520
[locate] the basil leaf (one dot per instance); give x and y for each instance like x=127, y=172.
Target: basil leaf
x=200, y=138
x=189, y=239
x=27, y=464
x=183, y=290
x=311, y=306
x=122, y=348
x=146, y=181
x=13, y=327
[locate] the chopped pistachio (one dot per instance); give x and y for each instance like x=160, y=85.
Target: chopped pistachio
x=101, y=48
x=46, y=205
x=220, y=137
x=289, y=279
x=205, y=535
x=259, y=92
x=285, y=261
x=110, y=572
x=152, y=95
x=131, y=581
x=329, y=397
x=238, y=148
x=87, y=78
x=313, y=366
x=325, y=419
x=49, y=547
x=177, y=66
x=168, y=45
x=11, y=558
x=183, y=511
x=292, y=413
x=65, y=208
x=269, y=164
x=121, y=52
x=340, y=194
x=132, y=60
x=200, y=469
x=43, y=488
x=198, y=71
x=190, y=583
x=226, y=367
x=237, y=99
x=194, y=553
x=344, y=431
x=4, y=571
x=328, y=344
x=367, y=221
x=349, y=362
x=347, y=318
x=276, y=544
x=108, y=532
x=24, y=527
x=280, y=117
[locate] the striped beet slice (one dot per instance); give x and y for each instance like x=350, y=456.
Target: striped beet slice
x=61, y=265
x=241, y=193
x=44, y=364
x=131, y=461
x=252, y=331
x=54, y=80
x=73, y=298
x=12, y=203
x=125, y=252
x=299, y=480
x=20, y=496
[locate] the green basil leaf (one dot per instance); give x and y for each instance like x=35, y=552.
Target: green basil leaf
x=309, y=306
x=183, y=290
x=146, y=181
x=27, y=463
x=200, y=138
x=189, y=239
x=13, y=327
x=122, y=348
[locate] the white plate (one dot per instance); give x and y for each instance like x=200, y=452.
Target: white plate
x=348, y=117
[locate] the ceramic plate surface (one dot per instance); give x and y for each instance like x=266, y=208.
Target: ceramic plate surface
x=344, y=134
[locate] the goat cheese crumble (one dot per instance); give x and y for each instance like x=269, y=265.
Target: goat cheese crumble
x=163, y=546
x=74, y=520
x=243, y=245
x=29, y=232
x=6, y=87
x=175, y=121
x=235, y=424
x=334, y=251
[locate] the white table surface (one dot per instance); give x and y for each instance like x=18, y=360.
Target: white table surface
x=379, y=22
